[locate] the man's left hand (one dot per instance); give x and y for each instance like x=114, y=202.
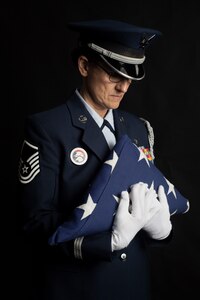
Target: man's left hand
x=159, y=226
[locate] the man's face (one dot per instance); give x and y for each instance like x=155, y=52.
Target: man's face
x=100, y=92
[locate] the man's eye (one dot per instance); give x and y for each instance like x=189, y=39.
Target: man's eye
x=115, y=78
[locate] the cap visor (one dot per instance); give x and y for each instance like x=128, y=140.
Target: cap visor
x=129, y=71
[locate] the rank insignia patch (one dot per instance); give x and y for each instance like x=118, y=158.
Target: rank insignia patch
x=29, y=165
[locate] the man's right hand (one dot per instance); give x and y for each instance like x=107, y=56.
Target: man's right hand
x=134, y=211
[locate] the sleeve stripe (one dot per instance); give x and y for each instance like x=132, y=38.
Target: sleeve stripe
x=77, y=247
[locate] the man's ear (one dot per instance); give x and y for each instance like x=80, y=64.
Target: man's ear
x=83, y=65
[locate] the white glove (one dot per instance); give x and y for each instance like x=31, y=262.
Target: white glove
x=159, y=227
x=132, y=214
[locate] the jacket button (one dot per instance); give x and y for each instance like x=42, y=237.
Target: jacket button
x=123, y=256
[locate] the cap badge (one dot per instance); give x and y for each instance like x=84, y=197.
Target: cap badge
x=78, y=156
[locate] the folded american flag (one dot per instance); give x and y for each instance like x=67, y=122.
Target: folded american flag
x=127, y=164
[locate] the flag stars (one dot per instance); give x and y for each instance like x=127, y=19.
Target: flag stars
x=188, y=207
x=88, y=207
x=173, y=213
x=171, y=188
x=143, y=156
x=112, y=162
x=117, y=201
x=152, y=186
x=116, y=198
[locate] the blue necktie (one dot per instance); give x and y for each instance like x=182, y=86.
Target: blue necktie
x=106, y=123
x=109, y=133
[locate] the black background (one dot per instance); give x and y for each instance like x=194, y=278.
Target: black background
x=39, y=73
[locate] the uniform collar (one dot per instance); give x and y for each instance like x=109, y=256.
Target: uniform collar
x=92, y=136
x=98, y=119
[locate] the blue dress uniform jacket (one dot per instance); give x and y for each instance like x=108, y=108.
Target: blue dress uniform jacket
x=51, y=186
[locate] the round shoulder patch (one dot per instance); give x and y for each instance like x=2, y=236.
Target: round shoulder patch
x=29, y=165
x=78, y=156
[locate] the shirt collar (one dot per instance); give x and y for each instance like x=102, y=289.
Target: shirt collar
x=98, y=119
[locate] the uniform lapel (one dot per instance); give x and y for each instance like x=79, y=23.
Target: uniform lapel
x=120, y=128
x=135, y=134
x=92, y=135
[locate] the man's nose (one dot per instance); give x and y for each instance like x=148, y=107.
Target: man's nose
x=123, y=85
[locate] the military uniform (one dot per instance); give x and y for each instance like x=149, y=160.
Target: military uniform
x=52, y=185
x=63, y=150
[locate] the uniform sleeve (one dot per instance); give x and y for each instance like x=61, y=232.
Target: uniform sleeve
x=94, y=247
x=38, y=182
x=38, y=196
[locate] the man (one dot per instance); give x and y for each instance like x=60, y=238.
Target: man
x=63, y=150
